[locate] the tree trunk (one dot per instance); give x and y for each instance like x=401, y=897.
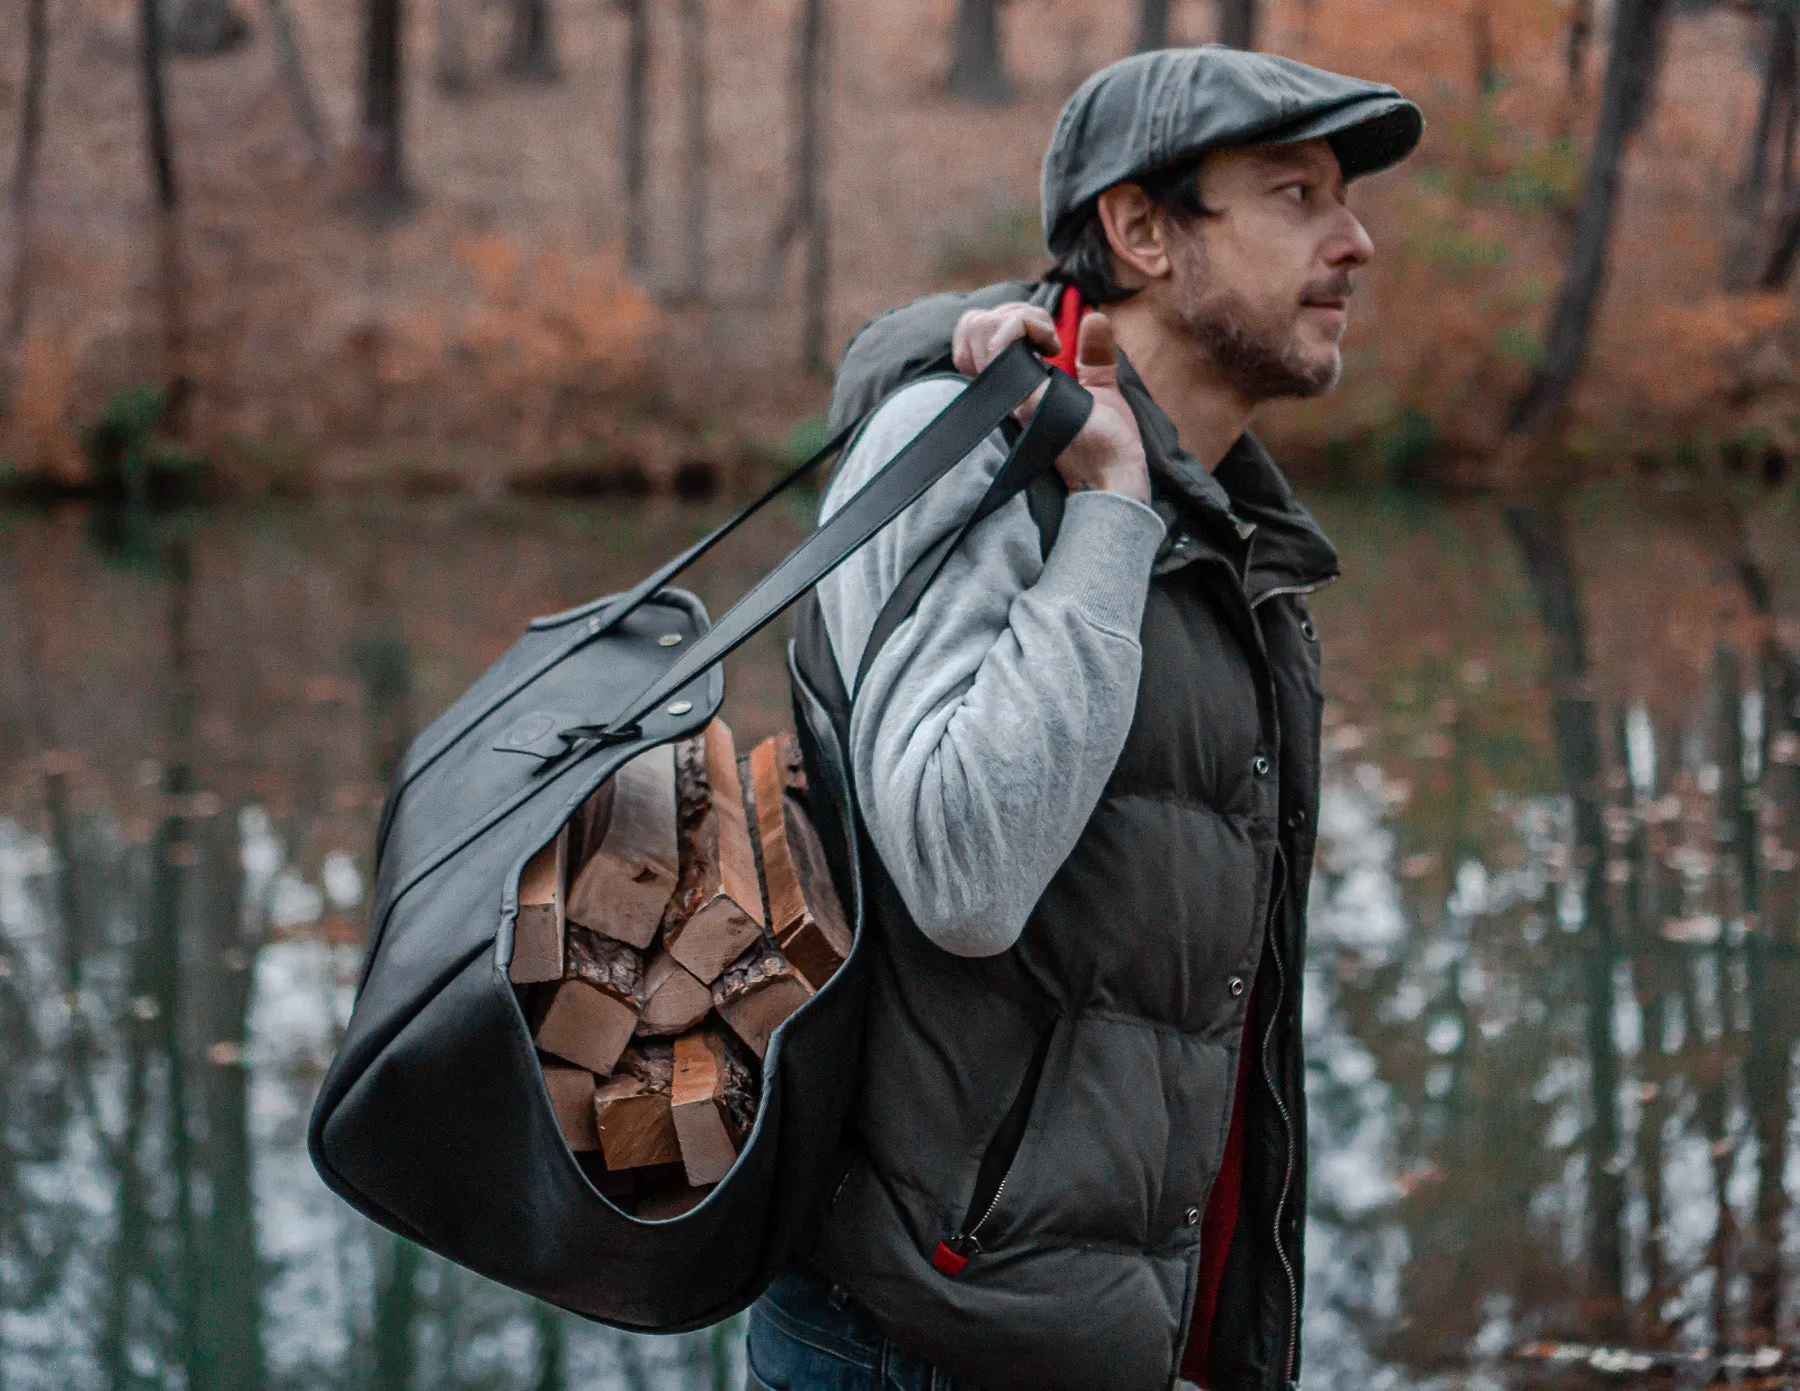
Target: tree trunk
x=1771, y=143
x=634, y=132
x=1581, y=33
x=205, y=28
x=156, y=108
x=31, y=131
x=300, y=92
x=814, y=97
x=693, y=90
x=1634, y=45
x=450, y=64
x=531, y=52
x=977, y=70
x=807, y=211
x=1153, y=25
x=385, y=193
x=1237, y=23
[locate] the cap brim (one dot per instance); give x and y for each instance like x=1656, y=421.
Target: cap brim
x=1367, y=136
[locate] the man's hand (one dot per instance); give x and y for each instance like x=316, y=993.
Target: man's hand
x=1108, y=454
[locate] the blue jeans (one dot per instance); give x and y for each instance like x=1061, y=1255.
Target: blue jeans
x=806, y=1337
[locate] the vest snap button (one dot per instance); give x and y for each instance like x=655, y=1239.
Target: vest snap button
x=1260, y=766
x=1191, y=1217
x=1236, y=986
x=1307, y=630
x=1296, y=818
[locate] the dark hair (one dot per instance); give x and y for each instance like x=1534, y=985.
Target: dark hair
x=1088, y=263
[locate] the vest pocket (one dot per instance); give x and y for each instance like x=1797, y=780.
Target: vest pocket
x=996, y=1167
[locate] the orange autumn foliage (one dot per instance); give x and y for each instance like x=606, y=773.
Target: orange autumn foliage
x=498, y=327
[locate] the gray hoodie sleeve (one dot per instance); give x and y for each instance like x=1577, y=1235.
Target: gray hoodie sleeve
x=989, y=724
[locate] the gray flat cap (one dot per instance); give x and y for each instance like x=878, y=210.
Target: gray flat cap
x=1153, y=110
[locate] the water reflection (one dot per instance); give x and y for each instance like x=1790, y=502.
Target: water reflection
x=1555, y=951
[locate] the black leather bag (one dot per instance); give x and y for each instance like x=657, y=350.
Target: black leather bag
x=433, y=1119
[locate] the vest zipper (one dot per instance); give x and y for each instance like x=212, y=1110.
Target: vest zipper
x=1287, y=1120
x=997, y=1163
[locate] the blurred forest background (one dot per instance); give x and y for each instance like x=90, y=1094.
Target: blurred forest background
x=577, y=248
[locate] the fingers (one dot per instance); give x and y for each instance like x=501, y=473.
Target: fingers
x=1097, y=352
x=982, y=334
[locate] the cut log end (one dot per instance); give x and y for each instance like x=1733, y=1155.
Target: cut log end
x=537, y=954
x=712, y=1103
x=757, y=994
x=632, y=1111
x=572, y=1100
x=631, y=854
x=674, y=999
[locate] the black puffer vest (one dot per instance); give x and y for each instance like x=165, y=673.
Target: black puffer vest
x=1038, y=1131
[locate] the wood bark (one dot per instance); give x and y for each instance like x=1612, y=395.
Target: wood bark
x=156, y=106
x=531, y=49
x=1152, y=25
x=1635, y=27
x=538, y=929
x=384, y=192
x=674, y=1000
x=299, y=85
x=712, y=1099
x=205, y=28
x=1237, y=23
x=717, y=910
x=594, y=1011
x=624, y=887
x=977, y=68
x=757, y=993
x=31, y=131
x=572, y=1100
x=634, y=127
x=632, y=1110
x=698, y=168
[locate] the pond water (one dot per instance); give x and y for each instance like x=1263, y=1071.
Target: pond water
x=1551, y=985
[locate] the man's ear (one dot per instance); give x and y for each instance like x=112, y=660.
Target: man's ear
x=1137, y=231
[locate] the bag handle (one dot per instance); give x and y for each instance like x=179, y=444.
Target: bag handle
x=1057, y=420
x=939, y=447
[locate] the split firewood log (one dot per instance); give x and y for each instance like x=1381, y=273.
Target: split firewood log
x=757, y=993
x=713, y=1102
x=572, y=1099
x=805, y=916
x=631, y=1109
x=624, y=886
x=538, y=930
x=717, y=909
x=673, y=999
x=591, y=1016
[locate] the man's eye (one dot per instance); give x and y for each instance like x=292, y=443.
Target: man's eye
x=1297, y=192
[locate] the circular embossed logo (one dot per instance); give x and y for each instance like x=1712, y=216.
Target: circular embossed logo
x=528, y=729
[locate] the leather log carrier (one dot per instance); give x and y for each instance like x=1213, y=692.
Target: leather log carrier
x=434, y=1118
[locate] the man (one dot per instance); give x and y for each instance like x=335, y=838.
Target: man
x=1087, y=766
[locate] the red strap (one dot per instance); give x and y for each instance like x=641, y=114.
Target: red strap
x=1069, y=313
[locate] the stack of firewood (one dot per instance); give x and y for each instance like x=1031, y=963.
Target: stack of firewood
x=678, y=918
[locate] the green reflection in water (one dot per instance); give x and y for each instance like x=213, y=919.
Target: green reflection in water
x=1549, y=1019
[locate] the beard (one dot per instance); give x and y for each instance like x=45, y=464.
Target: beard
x=1258, y=352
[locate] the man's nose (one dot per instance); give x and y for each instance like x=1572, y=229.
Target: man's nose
x=1350, y=245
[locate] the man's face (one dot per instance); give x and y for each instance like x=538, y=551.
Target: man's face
x=1264, y=287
